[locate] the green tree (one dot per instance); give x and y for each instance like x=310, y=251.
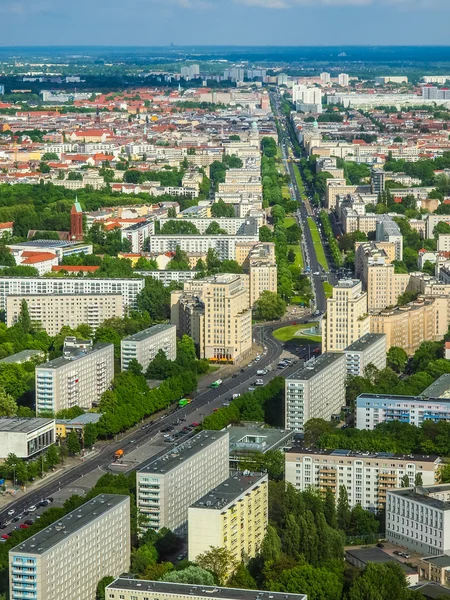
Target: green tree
x=380, y=582
x=89, y=435
x=215, y=229
x=49, y=156
x=242, y=579
x=362, y=522
x=179, y=262
x=418, y=481
x=404, y=482
x=343, y=509
x=185, y=351
x=212, y=261
x=220, y=561
x=269, y=306
x=8, y=406
x=396, y=359
x=160, y=367
x=44, y=168
x=314, y=429
x=142, y=558
x=100, y=593
x=329, y=509
x=134, y=367
x=316, y=583
x=265, y=234
x=271, y=545
x=222, y=209
x=73, y=443
x=24, y=319
x=192, y=575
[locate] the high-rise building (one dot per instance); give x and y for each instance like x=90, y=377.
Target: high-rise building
x=168, y=484
x=307, y=99
x=76, y=222
x=2, y=90
x=241, y=499
x=368, y=350
x=145, y=345
x=366, y=477
x=325, y=78
x=343, y=79
x=387, y=230
x=190, y=72
x=216, y=313
x=67, y=559
x=377, y=180
x=79, y=378
x=347, y=318
x=316, y=391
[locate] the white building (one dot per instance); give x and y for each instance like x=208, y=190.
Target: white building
x=343, y=79
x=366, y=477
x=137, y=234
x=25, y=437
x=67, y=559
x=370, y=349
x=316, y=391
x=307, y=99
x=79, y=378
x=419, y=518
x=171, y=482
x=145, y=345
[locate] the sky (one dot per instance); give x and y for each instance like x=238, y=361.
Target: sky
x=224, y=22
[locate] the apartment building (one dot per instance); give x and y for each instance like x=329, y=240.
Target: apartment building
x=366, y=477
x=54, y=312
x=253, y=250
x=79, y=378
x=36, y=286
x=67, y=559
x=262, y=270
x=346, y=319
x=443, y=242
x=370, y=349
x=138, y=589
x=168, y=484
x=419, y=518
x=315, y=391
x=234, y=515
x=137, y=233
x=25, y=436
x=387, y=230
x=232, y=225
x=145, y=345
x=373, y=409
x=215, y=312
x=410, y=325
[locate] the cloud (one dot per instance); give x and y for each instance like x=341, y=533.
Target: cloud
x=282, y=4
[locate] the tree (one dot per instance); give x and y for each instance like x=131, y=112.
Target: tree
x=212, y=261
x=44, y=168
x=418, y=481
x=291, y=256
x=192, y=575
x=271, y=545
x=222, y=209
x=215, y=229
x=179, y=262
x=242, y=579
x=50, y=156
x=73, y=443
x=8, y=406
x=314, y=429
x=265, y=234
x=160, y=367
x=380, y=582
x=343, y=509
x=329, y=509
x=185, y=351
x=134, y=367
x=100, y=593
x=89, y=435
x=24, y=319
x=396, y=359
x=362, y=522
x=316, y=583
x=220, y=561
x=269, y=306
x=143, y=557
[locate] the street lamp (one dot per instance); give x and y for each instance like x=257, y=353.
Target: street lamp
x=14, y=473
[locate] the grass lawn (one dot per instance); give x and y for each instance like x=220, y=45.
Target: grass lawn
x=317, y=243
x=285, y=192
x=288, y=221
x=328, y=289
x=285, y=334
x=298, y=255
x=299, y=300
x=299, y=180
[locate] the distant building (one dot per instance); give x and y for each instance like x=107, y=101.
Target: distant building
x=378, y=180
x=343, y=79
x=76, y=222
x=25, y=437
x=145, y=345
x=24, y=356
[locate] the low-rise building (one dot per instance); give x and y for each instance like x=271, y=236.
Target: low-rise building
x=67, y=559
x=368, y=350
x=23, y=356
x=362, y=557
x=435, y=568
x=240, y=500
x=77, y=424
x=24, y=436
x=252, y=439
x=145, y=345
x=315, y=391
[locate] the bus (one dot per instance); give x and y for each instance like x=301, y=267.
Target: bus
x=216, y=384
x=184, y=402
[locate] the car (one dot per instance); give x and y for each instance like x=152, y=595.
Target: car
x=42, y=503
x=169, y=438
x=3, y=525
x=257, y=357
x=16, y=518
x=5, y=536
x=242, y=371
x=32, y=508
x=11, y=512
x=186, y=429
x=251, y=389
x=29, y=522
x=50, y=499
x=194, y=424
x=234, y=375
x=23, y=526
x=397, y=552
x=226, y=403
x=379, y=545
x=250, y=364
x=405, y=555
x=316, y=273
x=144, y=427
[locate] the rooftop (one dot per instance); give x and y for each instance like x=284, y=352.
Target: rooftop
x=393, y=398
x=319, y=365
x=74, y=521
x=88, y=417
x=440, y=561
x=254, y=438
x=342, y=453
x=23, y=356
x=22, y=424
x=229, y=491
x=79, y=353
x=376, y=555
x=168, y=460
x=199, y=591
x=146, y=333
x=426, y=495
x=438, y=388
x=365, y=341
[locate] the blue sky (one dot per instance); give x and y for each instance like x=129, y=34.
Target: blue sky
x=224, y=22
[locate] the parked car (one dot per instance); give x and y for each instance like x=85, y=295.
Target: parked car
x=32, y=508
x=23, y=526
x=380, y=545
x=11, y=512
x=29, y=522
x=194, y=424
x=397, y=552
x=5, y=536
x=16, y=518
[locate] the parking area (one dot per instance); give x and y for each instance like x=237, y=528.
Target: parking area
x=393, y=550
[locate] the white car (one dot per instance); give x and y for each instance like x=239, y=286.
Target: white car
x=32, y=508
x=11, y=512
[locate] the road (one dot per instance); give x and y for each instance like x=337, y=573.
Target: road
x=211, y=398
x=303, y=212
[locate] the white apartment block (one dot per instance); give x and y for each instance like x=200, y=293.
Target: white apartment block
x=370, y=349
x=315, y=391
x=343, y=79
x=26, y=286
x=366, y=476
x=137, y=234
x=443, y=243
x=419, y=518
x=232, y=225
x=67, y=559
x=174, y=480
x=234, y=515
x=166, y=277
x=145, y=345
x=224, y=245
x=54, y=312
x=77, y=379
x=25, y=436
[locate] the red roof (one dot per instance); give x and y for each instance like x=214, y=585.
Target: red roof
x=75, y=269
x=7, y=225
x=37, y=257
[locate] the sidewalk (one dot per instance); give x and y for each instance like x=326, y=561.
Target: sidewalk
x=228, y=370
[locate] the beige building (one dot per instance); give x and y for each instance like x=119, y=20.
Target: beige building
x=339, y=187
x=145, y=345
x=56, y=311
x=435, y=568
x=67, y=559
x=443, y=243
x=366, y=477
x=234, y=516
x=244, y=251
x=216, y=313
x=346, y=319
x=410, y=325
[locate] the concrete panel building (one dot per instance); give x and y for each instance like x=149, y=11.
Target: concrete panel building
x=241, y=500
x=79, y=378
x=67, y=559
x=368, y=350
x=25, y=437
x=366, y=477
x=315, y=391
x=175, y=479
x=145, y=345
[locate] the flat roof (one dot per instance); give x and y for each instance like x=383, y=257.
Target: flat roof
x=23, y=424
x=420, y=494
x=88, y=417
x=205, y=591
x=254, y=438
x=146, y=333
x=228, y=491
x=168, y=460
x=438, y=387
x=21, y=356
x=365, y=341
x=361, y=455
x=320, y=364
x=377, y=555
x=393, y=398
x=441, y=561
x=74, y=521
x=61, y=361
x=48, y=244
x=431, y=590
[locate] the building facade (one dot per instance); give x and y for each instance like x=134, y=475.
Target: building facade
x=368, y=350
x=24, y=436
x=145, y=345
x=68, y=559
